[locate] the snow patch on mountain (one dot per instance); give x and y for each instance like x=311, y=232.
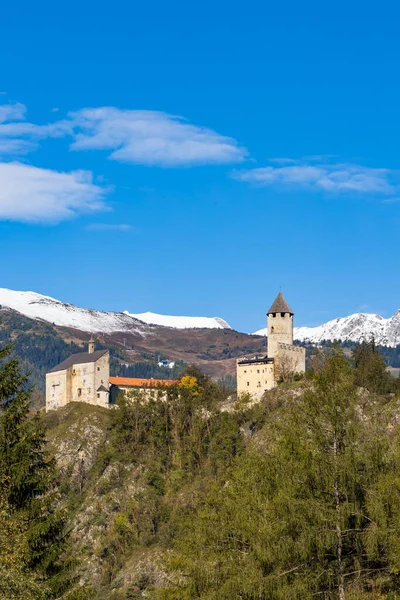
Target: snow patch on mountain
x=354, y=328
x=45, y=308
x=181, y=322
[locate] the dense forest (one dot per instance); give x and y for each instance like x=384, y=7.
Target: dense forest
x=196, y=495
x=390, y=355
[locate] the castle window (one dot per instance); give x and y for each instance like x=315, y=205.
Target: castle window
x=282, y=314
x=98, y=368
x=272, y=329
x=79, y=391
x=98, y=395
x=258, y=370
x=245, y=371
x=248, y=383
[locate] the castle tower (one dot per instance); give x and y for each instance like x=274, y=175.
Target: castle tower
x=280, y=325
x=91, y=345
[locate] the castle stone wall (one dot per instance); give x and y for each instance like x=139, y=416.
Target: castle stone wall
x=291, y=359
x=280, y=330
x=79, y=383
x=255, y=378
x=58, y=386
x=101, y=378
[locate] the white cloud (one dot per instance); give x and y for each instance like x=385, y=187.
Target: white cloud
x=12, y=112
x=109, y=227
x=134, y=136
x=17, y=136
x=151, y=138
x=31, y=194
x=329, y=177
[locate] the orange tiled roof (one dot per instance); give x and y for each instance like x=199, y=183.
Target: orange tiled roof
x=136, y=382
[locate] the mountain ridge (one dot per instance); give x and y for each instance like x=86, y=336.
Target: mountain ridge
x=357, y=327
x=51, y=310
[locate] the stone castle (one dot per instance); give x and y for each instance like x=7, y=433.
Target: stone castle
x=260, y=373
x=85, y=377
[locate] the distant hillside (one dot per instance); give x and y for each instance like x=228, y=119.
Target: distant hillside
x=40, y=346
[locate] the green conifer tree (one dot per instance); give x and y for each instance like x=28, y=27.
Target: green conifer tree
x=298, y=517
x=29, y=475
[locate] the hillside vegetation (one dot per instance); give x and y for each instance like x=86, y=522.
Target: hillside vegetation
x=193, y=495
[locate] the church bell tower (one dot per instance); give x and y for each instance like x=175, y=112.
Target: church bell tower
x=280, y=324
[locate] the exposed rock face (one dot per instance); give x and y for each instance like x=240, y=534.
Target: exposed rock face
x=101, y=493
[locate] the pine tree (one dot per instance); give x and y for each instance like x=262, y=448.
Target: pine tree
x=370, y=369
x=29, y=474
x=15, y=581
x=298, y=517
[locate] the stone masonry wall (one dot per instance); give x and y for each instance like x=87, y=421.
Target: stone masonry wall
x=255, y=378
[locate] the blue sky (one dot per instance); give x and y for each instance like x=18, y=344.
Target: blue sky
x=191, y=158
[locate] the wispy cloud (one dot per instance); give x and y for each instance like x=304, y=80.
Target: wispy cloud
x=12, y=112
x=334, y=177
x=134, y=136
x=17, y=136
x=151, y=138
x=109, y=227
x=31, y=194
x=391, y=200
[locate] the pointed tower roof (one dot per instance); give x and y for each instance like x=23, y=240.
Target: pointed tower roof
x=280, y=305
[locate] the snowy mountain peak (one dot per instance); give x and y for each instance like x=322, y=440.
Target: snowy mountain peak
x=181, y=322
x=355, y=328
x=45, y=308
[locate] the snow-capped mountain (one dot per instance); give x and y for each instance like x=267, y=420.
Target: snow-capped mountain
x=37, y=306
x=355, y=328
x=181, y=322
